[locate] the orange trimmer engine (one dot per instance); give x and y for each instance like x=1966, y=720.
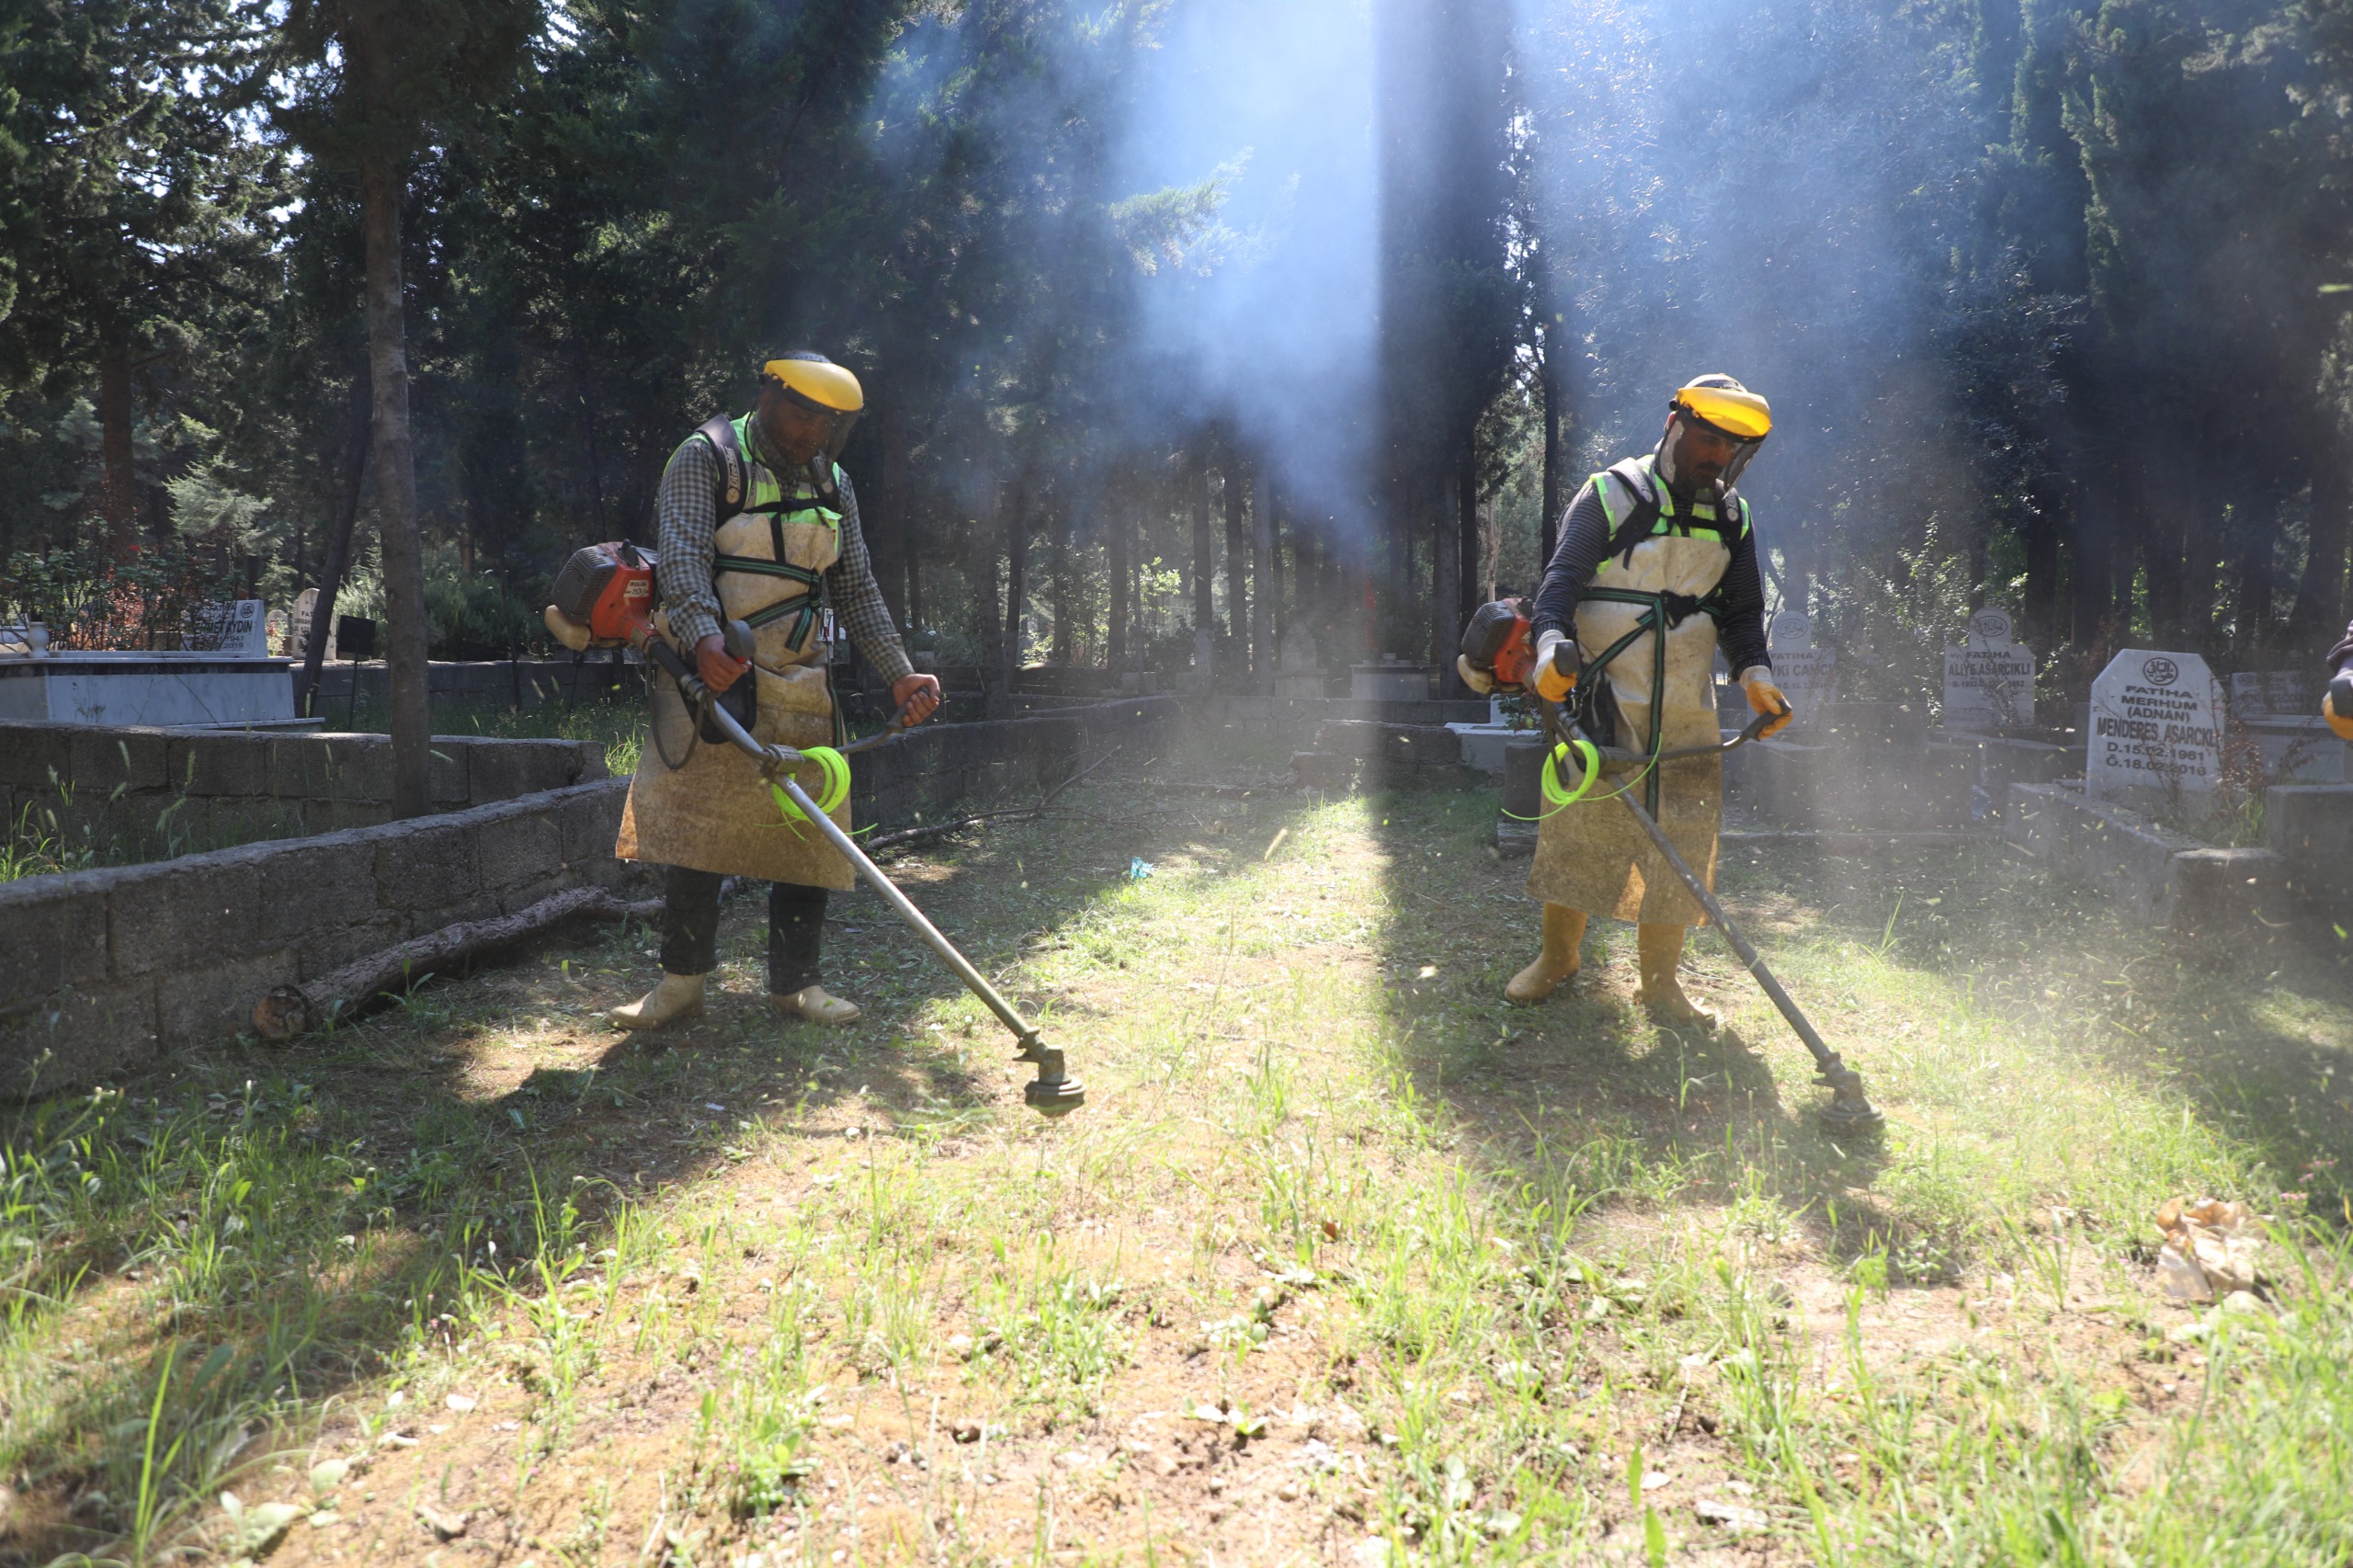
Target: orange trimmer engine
x=1500, y=642
x=604, y=596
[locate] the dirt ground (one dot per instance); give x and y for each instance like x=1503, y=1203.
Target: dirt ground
x=1344, y=1259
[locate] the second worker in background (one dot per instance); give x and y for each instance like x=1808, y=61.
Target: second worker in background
x=1663, y=535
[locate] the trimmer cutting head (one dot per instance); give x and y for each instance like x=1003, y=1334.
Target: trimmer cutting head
x=1848, y=1110
x=1054, y=1092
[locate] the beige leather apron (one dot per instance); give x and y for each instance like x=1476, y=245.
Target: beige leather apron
x=1592, y=856
x=714, y=814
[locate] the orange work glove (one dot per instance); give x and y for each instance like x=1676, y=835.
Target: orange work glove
x=1766, y=697
x=2339, y=714
x=1556, y=666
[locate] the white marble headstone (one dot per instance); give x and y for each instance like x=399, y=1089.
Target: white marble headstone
x=297, y=636
x=1807, y=675
x=234, y=630
x=2155, y=721
x=1989, y=680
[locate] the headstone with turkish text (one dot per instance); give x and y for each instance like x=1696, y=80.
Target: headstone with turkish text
x=235, y=629
x=1807, y=675
x=1989, y=680
x=2156, y=724
x=298, y=636
x=2263, y=694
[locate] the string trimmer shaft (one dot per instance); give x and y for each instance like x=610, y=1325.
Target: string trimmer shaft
x=1054, y=1092
x=1848, y=1108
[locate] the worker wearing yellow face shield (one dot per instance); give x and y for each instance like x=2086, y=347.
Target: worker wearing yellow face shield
x=1656, y=541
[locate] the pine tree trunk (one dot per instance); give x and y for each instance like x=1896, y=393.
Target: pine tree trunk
x=1237, y=565
x=2255, y=573
x=1556, y=460
x=1115, y=551
x=1446, y=582
x=1469, y=549
x=338, y=544
x=2046, y=500
x=1017, y=581
x=1262, y=587
x=380, y=189
x=1059, y=531
x=1197, y=485
x=2092, y=573
x=2319, y=610
x=118, y=492
x=886, y=535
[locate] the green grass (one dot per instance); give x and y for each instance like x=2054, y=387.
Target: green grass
x=1341, y=1248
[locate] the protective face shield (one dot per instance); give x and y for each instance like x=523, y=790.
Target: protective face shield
x=1728, y=409
x=815, y=384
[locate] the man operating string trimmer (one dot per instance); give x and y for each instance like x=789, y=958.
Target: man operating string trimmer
x=758, y=520
x=1659, y=540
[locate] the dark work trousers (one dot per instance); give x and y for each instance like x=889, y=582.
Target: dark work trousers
x=690, y=928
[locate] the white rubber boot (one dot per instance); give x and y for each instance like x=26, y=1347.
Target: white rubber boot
x=679, y=996
x=812, y=1003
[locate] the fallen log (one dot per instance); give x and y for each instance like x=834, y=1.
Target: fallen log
x=290, y=1010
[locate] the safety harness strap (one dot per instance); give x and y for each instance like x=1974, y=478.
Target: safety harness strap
x=1661, y=613
x=803, y=607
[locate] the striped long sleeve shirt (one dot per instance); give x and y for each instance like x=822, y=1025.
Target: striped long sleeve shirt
x=685, y=516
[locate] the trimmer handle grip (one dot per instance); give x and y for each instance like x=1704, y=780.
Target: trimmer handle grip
x=656, y=647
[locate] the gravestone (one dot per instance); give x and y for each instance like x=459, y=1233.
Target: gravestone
x=2275, y=694
x=1299, y=670
x=298, y=634
x=1989, y=680
x=2155, y=725
x=235, y=629
x=1807, y=675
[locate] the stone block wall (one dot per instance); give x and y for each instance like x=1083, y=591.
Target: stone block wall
x=109, y=969
x=155, y=791
x=492, y=682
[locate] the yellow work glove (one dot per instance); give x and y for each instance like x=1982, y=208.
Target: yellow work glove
x=1556, y=666
x=2341, y=721
x=1473, y=676
x=1766, y=697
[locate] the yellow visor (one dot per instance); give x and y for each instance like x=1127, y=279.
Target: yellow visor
x=820, y=381
x=1742, y=416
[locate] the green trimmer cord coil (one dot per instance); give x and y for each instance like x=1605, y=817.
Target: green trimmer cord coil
x=1054, y=1092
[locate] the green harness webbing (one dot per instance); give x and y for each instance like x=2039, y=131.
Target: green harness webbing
x=1649, y=516
x=804, y=608
x=1661, y=612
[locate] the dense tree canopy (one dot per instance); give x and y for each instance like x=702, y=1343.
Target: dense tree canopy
x=1184, y=323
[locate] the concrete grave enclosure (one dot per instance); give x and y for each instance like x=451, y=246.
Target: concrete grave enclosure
x=105, y=970
x=158, y=786
x=1867, y=767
